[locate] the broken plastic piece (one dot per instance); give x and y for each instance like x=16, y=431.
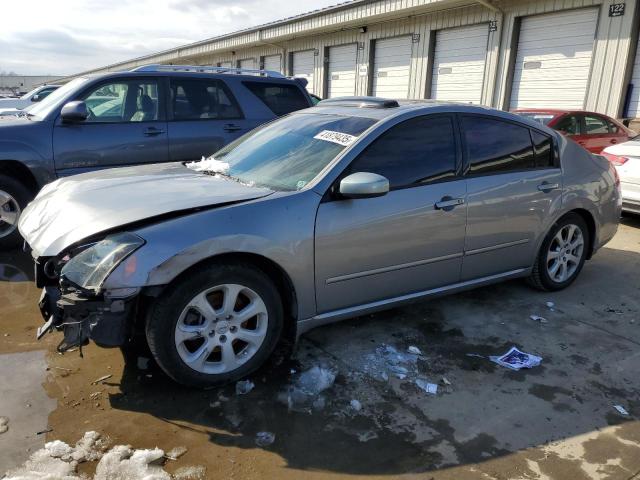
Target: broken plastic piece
x=244, y=386
x=445, y=381
x=515, y=359
x=356, y=405
x=101, y=379
x=621, y=410
x=430, y=388
x=537, y=318
x=264, y=439
x=551, y=305
x=415, y=350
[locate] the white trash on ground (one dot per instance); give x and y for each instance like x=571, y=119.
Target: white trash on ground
x=386, y=361
x=430, y=388
x=537, y=318
x=244, y=386
x=515, y=359
x=356, y=405
x=621, y=410
x=264, y=439
x=196, y=472
x=414, y=350
x=551, y=305
x=304, y=394
x=176, y=452
x=208, y=165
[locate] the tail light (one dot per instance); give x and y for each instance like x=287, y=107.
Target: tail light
x=616, y=160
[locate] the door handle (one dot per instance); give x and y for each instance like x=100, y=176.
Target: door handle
x=152, y=131
x=548, y=187
x=613, y=140
x=448, y=203
x=230, y=127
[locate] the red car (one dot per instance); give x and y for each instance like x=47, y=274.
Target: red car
x=593, y=131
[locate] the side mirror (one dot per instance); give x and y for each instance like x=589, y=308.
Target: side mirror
x=75, y=111
x=364, y=185
x=36, y=98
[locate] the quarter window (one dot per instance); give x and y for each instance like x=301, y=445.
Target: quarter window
x=195, y=99
x=280, y=98
x=417, y=151
x=493, y=146
x=543, y=148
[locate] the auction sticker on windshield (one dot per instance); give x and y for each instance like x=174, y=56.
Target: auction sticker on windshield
x=340, y=138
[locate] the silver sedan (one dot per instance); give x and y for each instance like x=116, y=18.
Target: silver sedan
x=346, y=208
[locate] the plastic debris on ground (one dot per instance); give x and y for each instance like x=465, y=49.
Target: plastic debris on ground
x=176, y=452
x=430, y=388
x=208, y=165
x=515, y=359
x=551, y=305
x=4, y=424
x=101, y=379
x=621, y=410
x=264, y=439
x=445, y=381
x=244, y=386
x=537, y=318
x=304, y=394
x=387, y=361
x=356, y=405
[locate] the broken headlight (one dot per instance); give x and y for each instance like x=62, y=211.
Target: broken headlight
x=90, y=268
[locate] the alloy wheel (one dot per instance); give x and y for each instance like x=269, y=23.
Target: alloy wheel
x=9, y=214
x=565, y=253
x=221, y=328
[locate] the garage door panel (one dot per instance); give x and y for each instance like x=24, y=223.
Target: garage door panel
x=634, y=101
x=304, y=66
x=273, y=63
x=459, y=63
x=553, y=59
x=342, y=70
x=391, y=67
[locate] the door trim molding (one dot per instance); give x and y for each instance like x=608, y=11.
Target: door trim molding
x=496, y=247
x=400, y=266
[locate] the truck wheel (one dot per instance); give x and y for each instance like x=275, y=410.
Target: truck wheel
x=562, y=254
x=14, y=196
x=215, y=325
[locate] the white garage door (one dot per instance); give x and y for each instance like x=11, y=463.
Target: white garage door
x=247, y=63
x=303, y=66
x=634, y=104
x=553, y=60
x=273, y=63
x=458, y=63
x=342, y=71
x=391, y=64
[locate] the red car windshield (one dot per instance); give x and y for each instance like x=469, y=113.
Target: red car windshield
x=543, y=118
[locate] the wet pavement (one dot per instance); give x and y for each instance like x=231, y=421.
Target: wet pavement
x=554, y=421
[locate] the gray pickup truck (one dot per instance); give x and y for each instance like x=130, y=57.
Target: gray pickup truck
x=154, y=113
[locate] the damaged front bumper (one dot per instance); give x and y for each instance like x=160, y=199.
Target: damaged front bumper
x=107, y=320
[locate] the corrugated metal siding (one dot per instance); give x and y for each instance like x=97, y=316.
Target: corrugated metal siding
x=420, y=19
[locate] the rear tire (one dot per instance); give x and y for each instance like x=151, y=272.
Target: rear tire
x=215, y=325
x=14, y=197
x=562, y=254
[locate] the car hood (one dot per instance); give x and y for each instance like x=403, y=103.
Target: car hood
x=74, y=208
x=628, y=149
x=13, y=103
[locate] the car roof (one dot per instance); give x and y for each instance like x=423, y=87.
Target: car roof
x=166, y=73
x=375, y=108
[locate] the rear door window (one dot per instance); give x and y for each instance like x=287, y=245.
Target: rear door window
x=279, y=97
x=595, y=125
x=202, y=99
x=494, y=146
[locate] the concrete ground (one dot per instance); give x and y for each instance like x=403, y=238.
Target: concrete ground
x=555, y=421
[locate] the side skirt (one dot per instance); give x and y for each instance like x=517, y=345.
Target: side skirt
x=305, y=325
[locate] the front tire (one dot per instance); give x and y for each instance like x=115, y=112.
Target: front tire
x=562, y=254
x=215, y=325
x=14, y=197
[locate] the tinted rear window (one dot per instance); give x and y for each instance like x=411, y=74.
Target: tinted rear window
x=280, y=98
x=543, y=118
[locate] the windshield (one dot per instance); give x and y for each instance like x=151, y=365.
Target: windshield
x=43, y=108
x=287, y=153
x=543, y=118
